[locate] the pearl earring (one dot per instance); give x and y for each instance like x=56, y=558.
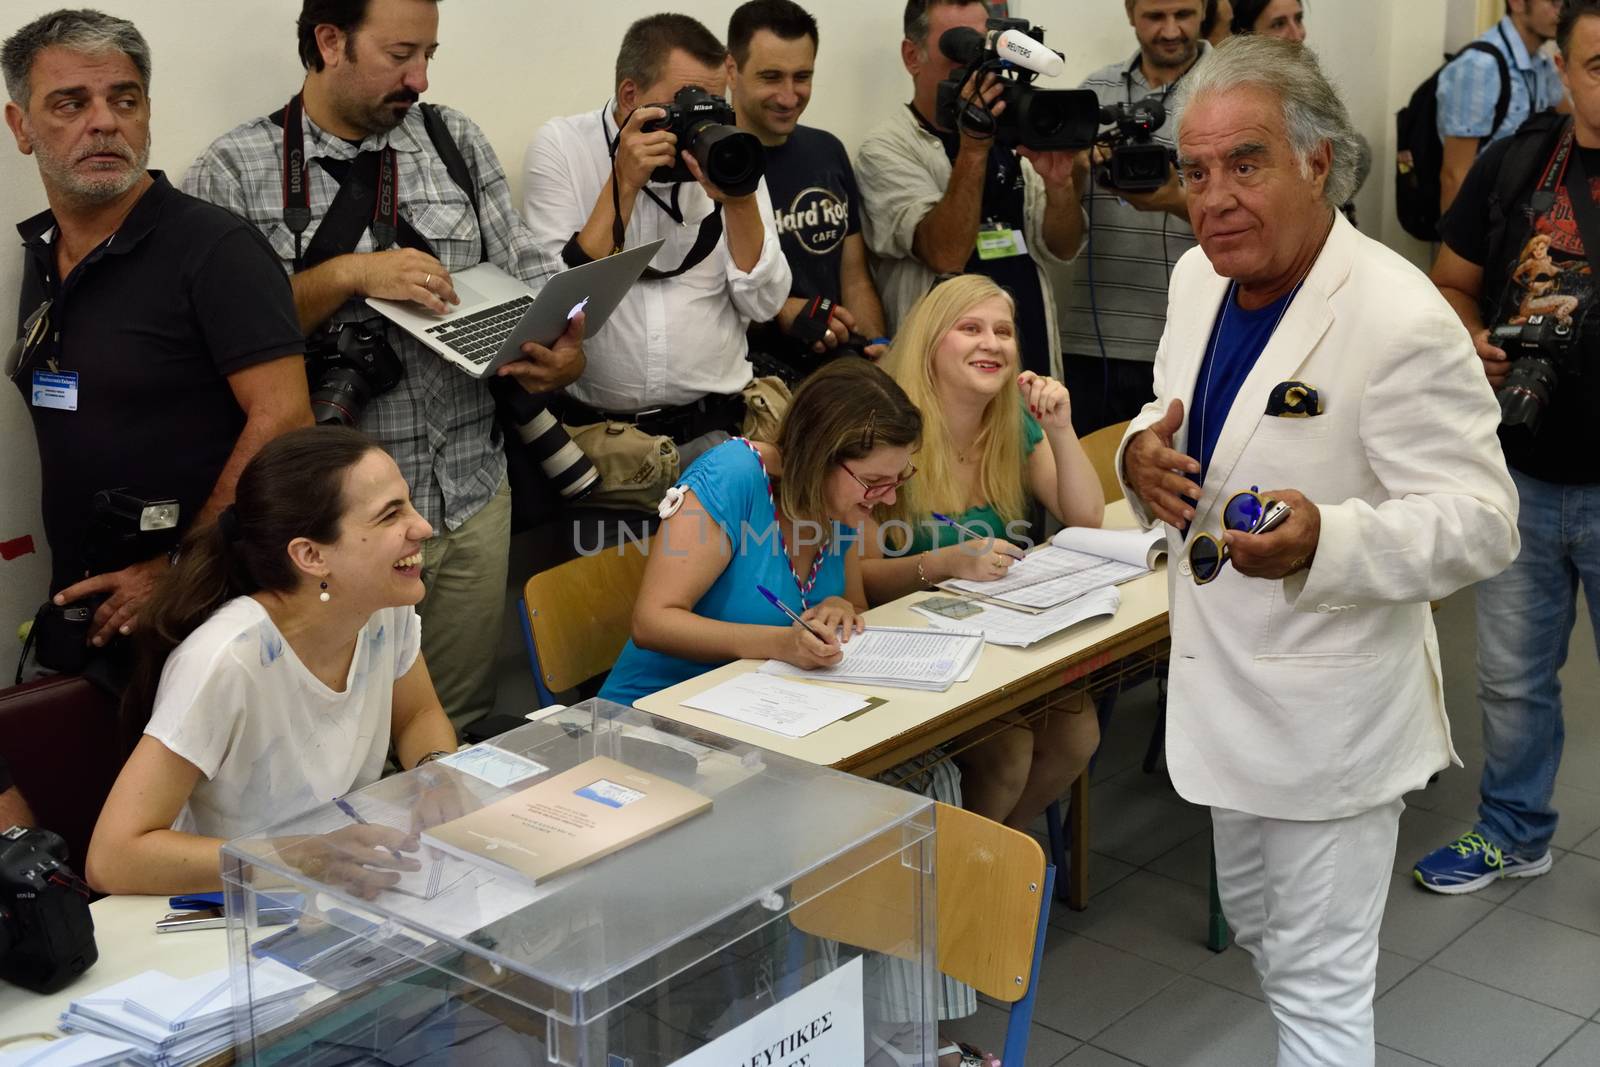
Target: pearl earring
x=323, y=596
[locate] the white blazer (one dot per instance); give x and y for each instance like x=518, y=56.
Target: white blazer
x=1320, y=696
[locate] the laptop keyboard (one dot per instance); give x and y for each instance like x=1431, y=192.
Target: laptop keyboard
x=479, y=336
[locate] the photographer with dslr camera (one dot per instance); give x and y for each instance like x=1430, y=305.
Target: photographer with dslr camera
x=663, y=159
x=1517, y=264
x=943, y=195
x=1138, y=224
x=157, y=343
x=392, y=197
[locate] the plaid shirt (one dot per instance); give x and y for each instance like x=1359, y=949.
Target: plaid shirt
x=438, y=423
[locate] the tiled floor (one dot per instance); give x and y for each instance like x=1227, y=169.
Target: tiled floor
x=1508, y=977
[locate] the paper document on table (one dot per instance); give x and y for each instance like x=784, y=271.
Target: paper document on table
x=1137, y=548
x=1047, y=577
x=792, y=709
x=898, y=657
x=1002, y=626
x=79, y=1050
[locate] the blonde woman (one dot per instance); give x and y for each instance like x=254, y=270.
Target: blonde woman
x=994, y=440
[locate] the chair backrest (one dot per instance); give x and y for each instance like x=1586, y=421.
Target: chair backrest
x=60, y=738
x=580, y=613
x=1101, y=448
x=991, y=884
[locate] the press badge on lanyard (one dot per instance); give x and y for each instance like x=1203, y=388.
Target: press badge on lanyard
x=998, y=241
x=58, y=391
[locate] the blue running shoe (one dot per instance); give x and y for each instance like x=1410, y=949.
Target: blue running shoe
x=1469, y=863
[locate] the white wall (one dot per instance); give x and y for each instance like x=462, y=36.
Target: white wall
x=513, y=65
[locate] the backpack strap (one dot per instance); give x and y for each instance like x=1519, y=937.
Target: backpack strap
x=456, y=164
x=1502, y=105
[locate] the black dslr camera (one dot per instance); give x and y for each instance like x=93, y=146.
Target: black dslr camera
x=46, y=933
x=1045, y=120
x=347, y=366
x=1541, y=351
x=1137, y=164
x=706, y=127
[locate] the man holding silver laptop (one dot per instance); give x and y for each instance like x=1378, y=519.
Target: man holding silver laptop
x=383, y=199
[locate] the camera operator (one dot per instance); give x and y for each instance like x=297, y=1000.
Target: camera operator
x=940, y=202
x=772, y=56
x=1516, y=266
x=158, y=346
x=14, y=810
x=672, y=362
x=366, y=66
x=1116, y=308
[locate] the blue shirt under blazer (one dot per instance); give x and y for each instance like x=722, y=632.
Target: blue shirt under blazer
x=1320, y=696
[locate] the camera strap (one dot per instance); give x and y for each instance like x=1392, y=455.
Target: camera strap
x=1580, y=191
x=710, y=227
x=372, y=176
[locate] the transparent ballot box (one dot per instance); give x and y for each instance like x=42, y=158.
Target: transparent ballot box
x=600, y=888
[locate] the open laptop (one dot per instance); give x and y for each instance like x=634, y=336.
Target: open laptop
x=498, y=313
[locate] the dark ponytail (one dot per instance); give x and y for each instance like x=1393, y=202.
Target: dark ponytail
x=292, y=488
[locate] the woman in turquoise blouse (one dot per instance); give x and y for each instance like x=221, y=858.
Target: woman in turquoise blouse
x=993, y=439
x=784, y=517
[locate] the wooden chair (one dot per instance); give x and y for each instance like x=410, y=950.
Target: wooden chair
x=1101, y=448
x=993, y=906
x=576, y=617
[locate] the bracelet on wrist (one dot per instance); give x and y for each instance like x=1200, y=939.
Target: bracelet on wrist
x=922, y=575
x=430, y=757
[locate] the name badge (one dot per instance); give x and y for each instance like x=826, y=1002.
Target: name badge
x=57, y=391
x=1000, y=242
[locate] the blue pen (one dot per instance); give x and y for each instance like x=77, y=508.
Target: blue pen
x=976, y=535
x=787, y=610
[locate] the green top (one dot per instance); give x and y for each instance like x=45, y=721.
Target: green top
x=927, y=533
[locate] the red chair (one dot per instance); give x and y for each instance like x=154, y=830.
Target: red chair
x=59, y=736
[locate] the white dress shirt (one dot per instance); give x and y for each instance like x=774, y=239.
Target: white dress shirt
x=669, y=342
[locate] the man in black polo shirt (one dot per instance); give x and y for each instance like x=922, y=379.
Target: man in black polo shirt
x=772, y=54
x=160, y=346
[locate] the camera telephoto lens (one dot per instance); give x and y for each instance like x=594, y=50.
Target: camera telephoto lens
x=1526, y=393
x=569, y=470
x=731, y=159
x=340, y=397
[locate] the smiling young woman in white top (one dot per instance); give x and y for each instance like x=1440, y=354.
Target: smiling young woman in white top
x=286, y=646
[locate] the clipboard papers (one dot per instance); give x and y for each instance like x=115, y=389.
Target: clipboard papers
x=1077, y=561
x=898, y=657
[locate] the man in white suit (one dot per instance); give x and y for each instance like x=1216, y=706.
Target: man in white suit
x=1305, y=682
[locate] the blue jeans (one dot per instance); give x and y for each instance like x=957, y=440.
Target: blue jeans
x=1525, y=618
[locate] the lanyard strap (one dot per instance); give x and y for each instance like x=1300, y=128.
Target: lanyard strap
x=804, y=587
x=1581, y=191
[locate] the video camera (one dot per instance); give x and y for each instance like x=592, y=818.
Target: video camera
x=707, y=128
x=1045, y=120
x=1541, y=351
x=46, y=932
x=1138, y=164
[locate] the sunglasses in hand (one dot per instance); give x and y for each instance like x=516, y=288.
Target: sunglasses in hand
x=1245, y=512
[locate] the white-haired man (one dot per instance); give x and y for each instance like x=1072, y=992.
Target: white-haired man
x=1306, y=696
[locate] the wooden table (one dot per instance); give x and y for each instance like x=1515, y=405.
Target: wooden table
x=910, y=722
